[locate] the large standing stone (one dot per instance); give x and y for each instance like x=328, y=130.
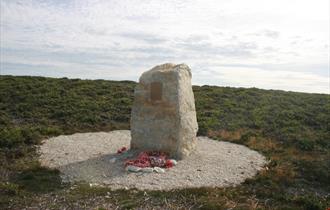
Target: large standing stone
x=163, y=114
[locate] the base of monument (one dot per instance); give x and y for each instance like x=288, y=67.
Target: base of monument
x=93, y=158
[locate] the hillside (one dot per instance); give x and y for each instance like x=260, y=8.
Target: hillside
x=291, y=129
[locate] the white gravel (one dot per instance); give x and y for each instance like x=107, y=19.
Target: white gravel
x=90, y=157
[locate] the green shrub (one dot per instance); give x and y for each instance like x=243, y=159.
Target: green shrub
x=306, y=144
x=11, y=137
x=38, y=180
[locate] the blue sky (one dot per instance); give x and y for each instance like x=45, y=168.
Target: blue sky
x=274, y=44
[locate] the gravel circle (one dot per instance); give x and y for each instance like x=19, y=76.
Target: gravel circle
x=90, y=157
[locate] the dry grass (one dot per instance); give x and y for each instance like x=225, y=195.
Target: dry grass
x=226, y=135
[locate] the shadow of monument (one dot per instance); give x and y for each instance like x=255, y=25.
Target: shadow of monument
x=99, y=168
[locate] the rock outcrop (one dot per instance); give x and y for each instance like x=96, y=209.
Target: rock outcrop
x=163, y=116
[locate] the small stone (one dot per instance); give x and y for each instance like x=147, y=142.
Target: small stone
x=133, y=169
x=174, y=162
x=113, y=160
x=147, y=170
x=159, y=170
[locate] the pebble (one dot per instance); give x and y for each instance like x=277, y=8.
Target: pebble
x=147, y=170
x=174, y=162
x=133, y=169
x=113, y=160
x=159, y=170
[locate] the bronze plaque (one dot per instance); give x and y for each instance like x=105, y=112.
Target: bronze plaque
x=156, y=90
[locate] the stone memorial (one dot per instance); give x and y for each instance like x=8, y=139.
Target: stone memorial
x=163, y=115
x=163, y=128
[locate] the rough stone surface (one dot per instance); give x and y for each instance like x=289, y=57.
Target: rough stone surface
x=89, y=157
x=163, y=114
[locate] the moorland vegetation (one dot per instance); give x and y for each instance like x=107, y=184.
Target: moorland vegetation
x=291, y=129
